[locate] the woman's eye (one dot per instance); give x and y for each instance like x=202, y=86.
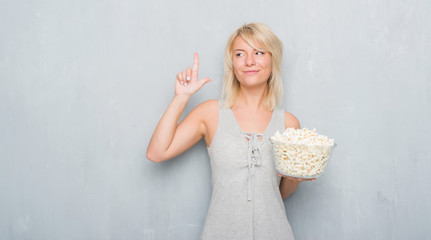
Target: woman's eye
x=238, y=54
x=260, y=53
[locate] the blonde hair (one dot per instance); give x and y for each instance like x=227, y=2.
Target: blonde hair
x=261, y=35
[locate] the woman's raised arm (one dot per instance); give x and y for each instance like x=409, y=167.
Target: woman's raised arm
x=170, y=138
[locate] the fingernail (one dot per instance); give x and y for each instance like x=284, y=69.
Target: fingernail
x=188, y=78
x=185, y=84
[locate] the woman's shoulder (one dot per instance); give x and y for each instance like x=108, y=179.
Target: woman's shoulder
x=209, y=114
x=209, y=105
x=290, y=121
x=207, y=108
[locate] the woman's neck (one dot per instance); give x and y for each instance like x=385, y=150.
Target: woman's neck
x=251, y=99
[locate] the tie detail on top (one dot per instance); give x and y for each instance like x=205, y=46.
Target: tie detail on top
x=254, y=158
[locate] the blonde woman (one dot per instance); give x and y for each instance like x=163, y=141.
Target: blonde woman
x=247, y=193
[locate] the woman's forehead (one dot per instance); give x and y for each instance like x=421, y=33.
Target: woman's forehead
x=250, y=42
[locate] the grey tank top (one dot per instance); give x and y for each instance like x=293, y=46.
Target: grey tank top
x=246, y=202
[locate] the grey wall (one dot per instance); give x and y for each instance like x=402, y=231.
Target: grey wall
x=84, y=83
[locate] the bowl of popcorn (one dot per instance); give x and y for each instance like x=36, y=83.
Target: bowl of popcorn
x=301, y=153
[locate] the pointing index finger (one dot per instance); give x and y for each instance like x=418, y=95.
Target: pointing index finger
x=196, y=66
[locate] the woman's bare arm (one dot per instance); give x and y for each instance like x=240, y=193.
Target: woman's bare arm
x=170, y=138
x=288, y=185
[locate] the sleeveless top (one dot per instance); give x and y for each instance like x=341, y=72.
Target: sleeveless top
x=246, y=202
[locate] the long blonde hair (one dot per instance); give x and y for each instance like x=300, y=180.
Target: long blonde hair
x=254, y=34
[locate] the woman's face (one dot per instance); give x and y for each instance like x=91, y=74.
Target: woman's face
x=251, y=67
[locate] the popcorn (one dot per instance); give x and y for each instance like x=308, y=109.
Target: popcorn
x=301, y=152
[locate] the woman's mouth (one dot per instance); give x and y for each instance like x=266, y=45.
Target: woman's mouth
x=251, y=72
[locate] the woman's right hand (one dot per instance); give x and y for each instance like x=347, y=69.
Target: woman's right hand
x=187, y=82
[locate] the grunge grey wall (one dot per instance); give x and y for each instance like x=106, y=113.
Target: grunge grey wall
x=84, y=83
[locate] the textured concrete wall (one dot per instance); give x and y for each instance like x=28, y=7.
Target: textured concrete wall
x=84, y=83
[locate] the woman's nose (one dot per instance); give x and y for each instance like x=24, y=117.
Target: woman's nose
x=250, y=61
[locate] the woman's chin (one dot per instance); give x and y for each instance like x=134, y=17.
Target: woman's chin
x=252, y=83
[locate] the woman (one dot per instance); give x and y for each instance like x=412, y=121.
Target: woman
x=247, y=192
